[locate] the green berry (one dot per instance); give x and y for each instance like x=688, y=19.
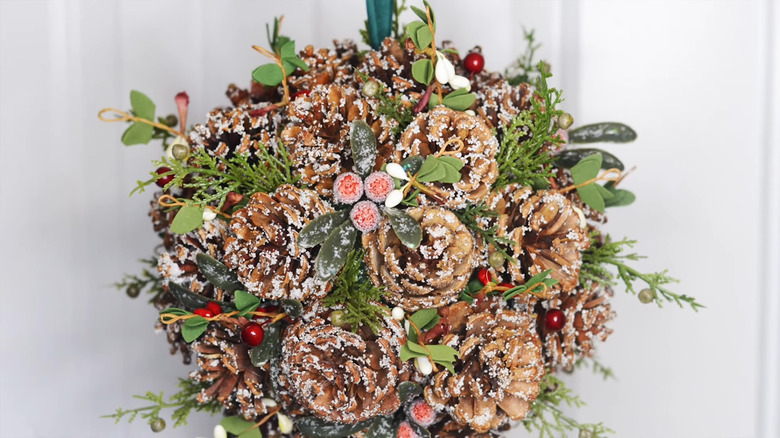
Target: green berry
x=646, y=296
x=565, y=120
x=133, y=291
x=157, y=425
x=171, y=120
x=371, y=88
x=338, y=318
x=180, y=151
x=585, y=433
x=496, y=260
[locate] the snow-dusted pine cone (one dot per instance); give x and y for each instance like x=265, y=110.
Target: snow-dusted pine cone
x=231, y=131
x=563, y=180
x=319, y=133
x=500, y=102
x=340, y=375
x=223, y=361
x=433, y=274
x=462, y=136
x=325, y=66
x=161, y=220
x=546, y=232
x=499, y=370
x=392, y=66
x=586, y=310
x=265, y=253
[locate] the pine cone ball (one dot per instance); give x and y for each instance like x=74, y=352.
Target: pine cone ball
x=325, y=66
x=232, y=131
x=499, y=370
x=223, y=361
x=433, y=274
x=265, y=253
x=319, y=133
x=546, y=233
x=587, y=311
x=459, y=135
x=339, y=375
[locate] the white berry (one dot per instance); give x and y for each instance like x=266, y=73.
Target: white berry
x=398, y=313
x=285, y=423
x=220, y=432
x=394, y=198
x=268, y=402
x=423, y=365
x=396, y=171
x=457, y=82
x=209, y=215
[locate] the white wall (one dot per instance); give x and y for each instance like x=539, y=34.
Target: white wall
x=697, y=79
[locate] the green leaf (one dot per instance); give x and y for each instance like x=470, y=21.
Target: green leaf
x=443, y=353
x=246, y=302
x=591, y=196
x=424, y=37
x=408, y=390
x=270, y=347
x=297, y=62
x=188, y=218
x=411, y=32
x=416, y=348
x=335, y=250
x=620, y=198
x=459, y=100
x=407, y=353
x=422, y=318
x=175, y=311
x=383, y=426
x=217, y=273
x=193, y=328
x=268, y=74
x=569, y=157
x=143, y=107
x=428, y=166
x=316, y=428
x=316, y=231
x=602, y=132
x=405, y=227
x=292, y=308
x=420, y=430
x=240, y=427
x=191, y=300
x=287, y=50
x=586, y=169
x=452, y=167
x=606, y=194
x=412, y=164
x=431, y=170
x=362, y=140
x=137, y=133
x=422, y=71
x=420, y=13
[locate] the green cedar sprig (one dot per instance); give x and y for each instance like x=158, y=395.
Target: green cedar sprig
x=242, y=174
x=597, y=258
x=470, y=215
x=524, y=70
x=183, y=402
x=149, y=280
x=548, y=419
x=522, y=156
x=357, y=295
x=391, y=107
x=595, y=366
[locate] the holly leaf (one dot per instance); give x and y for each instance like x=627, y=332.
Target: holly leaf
x=422, y=318
x=443, y=353
x=362, y=140
x=407, y=353
x=188, y=218
x=405, y=227
x=143, y=107
x=334, y=251
x=422, y=70
x=270, y=347
x=316, y=231
x=137, y=133
x=236, y=425
x=193, y=328
x=217, y=273
x=268, y=74
x=246, y=302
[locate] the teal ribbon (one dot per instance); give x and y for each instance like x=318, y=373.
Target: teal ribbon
x=380, y=20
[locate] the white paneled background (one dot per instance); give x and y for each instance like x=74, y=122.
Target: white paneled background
x=697, y=79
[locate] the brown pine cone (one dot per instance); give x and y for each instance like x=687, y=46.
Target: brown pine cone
x=449, y=130
x=232, y=131
x=319, y=133
x=339, y=375
x=223, y=361
x=265, y=253
x=547, y=234
x=499, y=370
x=392, y=66
x=161, y=220
x=325, y=66
x=586, y=310
x=563, y=180
x=500, y=102
x=433, y=274
x=452, y=429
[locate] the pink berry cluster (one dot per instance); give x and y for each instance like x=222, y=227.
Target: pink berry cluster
x=349, y=188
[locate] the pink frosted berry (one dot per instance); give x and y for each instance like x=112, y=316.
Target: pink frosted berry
x=422, y=413
x=405, y=430
x=365, y=216
x=348, y=188
x=378, y=185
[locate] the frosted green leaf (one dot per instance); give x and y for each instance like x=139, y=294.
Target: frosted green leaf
x=316, y=428
x=217, y=273
x=270, y=347
x=412, y=164
x=383, y=426
x=318, y=230
x=407, y=391
x=363, y=143
x=602, y=132
x=334, y=251
x=405, y=227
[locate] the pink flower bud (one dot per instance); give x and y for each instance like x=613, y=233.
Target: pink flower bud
x=182, y=103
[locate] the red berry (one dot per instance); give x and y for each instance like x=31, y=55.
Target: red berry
x=378, y=185
x=301, y=93
x=348, y=188
x=422, y=413
x=162, y=182
x=405, y=430
x=365, y=216
x=206, y=313
x=214, y=307
x=554, y=319
x=253, y=334
x=474, y=62
x=484, y=276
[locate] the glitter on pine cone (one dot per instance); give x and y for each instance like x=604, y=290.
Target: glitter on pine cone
x=340, y=375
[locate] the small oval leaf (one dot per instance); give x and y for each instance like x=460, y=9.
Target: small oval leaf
x=137, y=133
x=405, y=227
x=610, y=132
x=217, y=273
x=143, y=107
x=191, y=300
x=334, y=251
x=188, y=218
x=570, y=157
x=412, y=164
x=315, y=428
x=292, y=308
x=422, y=71
x=268, y=74
x=316, y=231
x=363, y=143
